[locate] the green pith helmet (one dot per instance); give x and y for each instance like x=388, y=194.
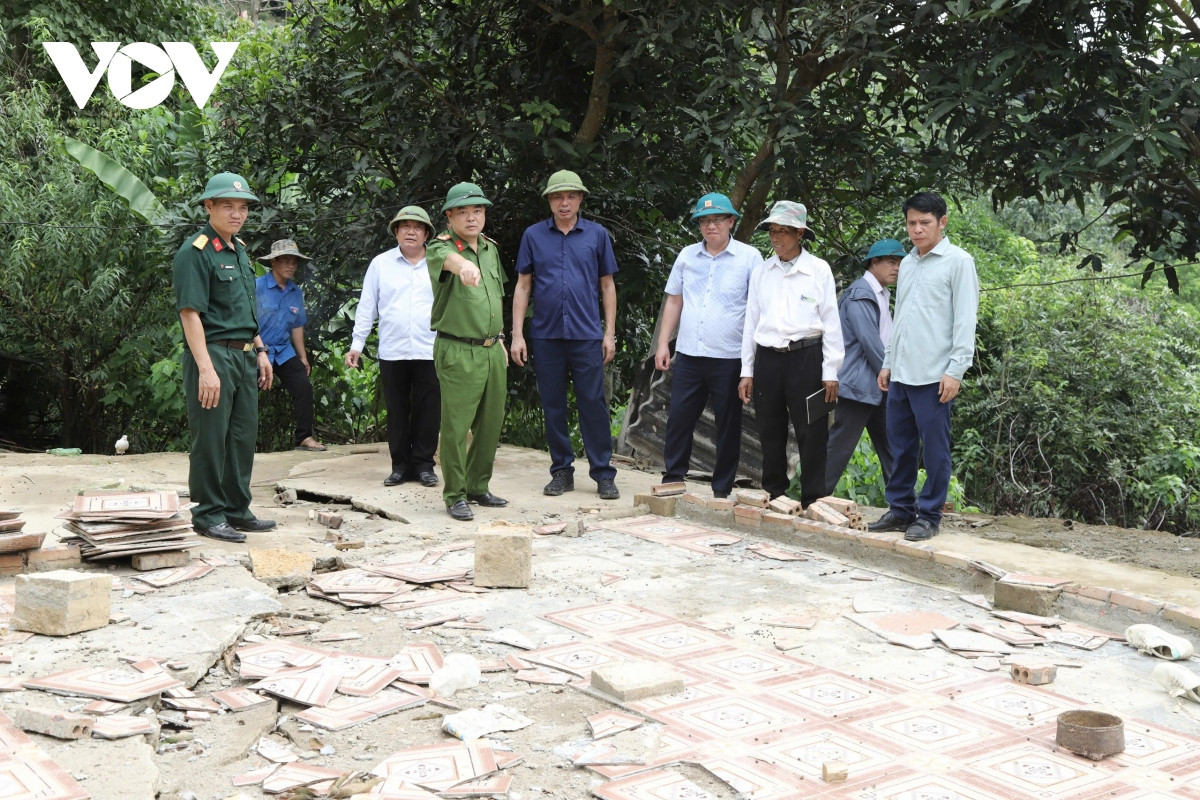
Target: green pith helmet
x=465, y=194
x=414, y=213
x=564, y=181
x=882, y=249
x=227, y=184
x=714, y=203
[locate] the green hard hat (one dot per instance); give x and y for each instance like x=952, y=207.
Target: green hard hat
x=414, y=213
x=227, y=184
x=564, y=181
x=714, y=203
x=465, y=194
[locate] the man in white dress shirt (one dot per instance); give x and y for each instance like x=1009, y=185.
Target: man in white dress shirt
x=791, y=349
x=397, y=292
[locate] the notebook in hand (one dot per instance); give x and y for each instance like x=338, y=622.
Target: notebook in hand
x=817, y=407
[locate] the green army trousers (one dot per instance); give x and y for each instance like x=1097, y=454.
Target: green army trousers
x=474, y=385
x=223, y=437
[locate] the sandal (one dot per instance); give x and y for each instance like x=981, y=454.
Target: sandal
x=312, y=445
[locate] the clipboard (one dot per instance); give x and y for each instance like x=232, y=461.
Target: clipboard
x=816, y=406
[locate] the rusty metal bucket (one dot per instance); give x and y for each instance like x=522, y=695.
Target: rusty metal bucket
x=1092, y=734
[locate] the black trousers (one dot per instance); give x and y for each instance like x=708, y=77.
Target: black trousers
x=294, y=378
x=697, y=381
x=849, y=421
x=414, y=413
x=782, y=381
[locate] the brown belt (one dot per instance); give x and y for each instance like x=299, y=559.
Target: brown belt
x=233, y=344
x=499, y=337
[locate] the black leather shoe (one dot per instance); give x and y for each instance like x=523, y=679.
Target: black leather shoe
x=490, y=500
x=221, y=532
x=889, y=522
x=254, y=525
x=428, y=478
x=395, y=479
x=920, y=530
x=461, y=511
x=561, y=481
x=607, y=489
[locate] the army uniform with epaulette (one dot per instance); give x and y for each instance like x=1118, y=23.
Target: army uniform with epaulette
x=214, y=277
x=470, y=360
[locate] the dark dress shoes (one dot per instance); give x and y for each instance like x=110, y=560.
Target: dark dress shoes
x=487, y=499
x=889, y=522
x=222, y=532
x=428, y=478
x=921, y=530
x=461, y=511
x=395, y=479
x=254, y=525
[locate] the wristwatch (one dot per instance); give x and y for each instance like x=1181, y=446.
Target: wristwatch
x=261, y=350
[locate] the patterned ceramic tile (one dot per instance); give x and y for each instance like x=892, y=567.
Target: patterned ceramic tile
x=828, y=694
x=1035, y=771
x=923, y=787
x=239, y=699
x=417, y=662
x=728, y=717
x=356, y=581
x=927, y=729
x=118, y=685
x=29, y=774
x=418, y=572
x=293, y=776
x=577, y=658
x=654, y=785
x=169, y=577
x=119, y=726
x=671, y=640
x=438, y=766
x=740, y=663
x=708, y=542
x=695, y=691
x=491, y=786
x=1148, y=745
x=943, y=679
x=606, y=618
x=654, y=528
x=310, y=686
x=757, y=780
x=806, y=752
x=606, y=723
x=1021, y=707
x=266, y=658
x=345, y=712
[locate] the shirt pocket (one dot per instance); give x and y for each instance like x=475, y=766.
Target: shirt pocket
x=223, y=286
x=730, y=286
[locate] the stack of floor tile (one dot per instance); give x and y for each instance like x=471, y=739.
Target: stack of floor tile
x=12, y=538
x=389, y=585
x=115, y=524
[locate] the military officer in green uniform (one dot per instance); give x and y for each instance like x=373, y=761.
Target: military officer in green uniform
x=468, y=354
x=224, y=363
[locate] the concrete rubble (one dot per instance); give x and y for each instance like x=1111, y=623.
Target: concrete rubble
x=728, y=649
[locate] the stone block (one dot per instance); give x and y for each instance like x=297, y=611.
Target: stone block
x=63, y=556
x=752, y=497
x=52, y=722
x=144, y=562
x=834, y=772
x=668, y=489
x=627, y=682
x=1034, y=674
x=349, y=544
x=280, y=569
x=1025, y=597
x=504, y=556
x=62, y=602
x=329, y=519
x=660, y=506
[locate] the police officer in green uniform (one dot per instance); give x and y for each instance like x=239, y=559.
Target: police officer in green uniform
x=468, y=354
x=224, y=364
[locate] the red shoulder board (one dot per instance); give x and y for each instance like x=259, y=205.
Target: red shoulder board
x=217, y=245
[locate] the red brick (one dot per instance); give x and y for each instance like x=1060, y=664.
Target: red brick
x=1182, y=615
x=948, y=559
x=719, y=503
x=12, y=565
x=1092, y=592
x=875, y=540
x=780, y=520
x=1135, y=602
x=922, y=552
x=668, y=489
x=1034, y=674
x=744, y=511
x=839, y=504
x=692, y=498
x=752, y=497
x=749, y=522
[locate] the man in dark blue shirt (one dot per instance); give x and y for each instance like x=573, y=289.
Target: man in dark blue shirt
x=567, y=264
x=281, y=320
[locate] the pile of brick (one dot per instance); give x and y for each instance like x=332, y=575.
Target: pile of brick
x=12, y=538
x=112, y=524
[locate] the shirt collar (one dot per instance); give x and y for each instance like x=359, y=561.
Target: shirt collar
x=874, y=283
x=404, y=259
x=798, y=264
x=580, y=222
x=938, y=249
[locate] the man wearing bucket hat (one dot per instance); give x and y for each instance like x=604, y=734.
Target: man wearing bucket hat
x=281, y=320
x=706, y=299
x=791, y=349
x=397, y=292
x=866, y=327
x=930, y=350
x=223, y=361
x=567, y=264
x=469, y=355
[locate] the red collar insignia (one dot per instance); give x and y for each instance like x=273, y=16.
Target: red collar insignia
x=459, y=244
x=217, y=245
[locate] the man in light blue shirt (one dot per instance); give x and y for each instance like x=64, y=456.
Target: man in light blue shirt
x=706, y=299
x=931, y=348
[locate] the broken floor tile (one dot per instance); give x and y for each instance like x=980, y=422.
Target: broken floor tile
x=653, y=784
x=272, y=750
x=12, y=683
x=437, y=767
x=491, y=786
x=255, y=776
x=971, y=641
x=1027, y=619
x=550, y=677
x=417, y=662
x=343, y=636
x=912, y=629
x=119, y=726
x=977, y=600
x=105, y=683
x=416, y=625
x=345, y=712
x=607, y=723
x=802, y=621
x=511, y=637
x=240, y=699
x=161, y=578
x=311, y=686
x=103, y=707
x=266, y=659
x=609, y=578
x=475, y=723
x=417, y=572
x=775, y=553
x=870, y=604
x=190, y=704
x=369, y=681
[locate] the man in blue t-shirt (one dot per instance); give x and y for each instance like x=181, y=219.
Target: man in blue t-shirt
x=281, y=320
x=567, y=264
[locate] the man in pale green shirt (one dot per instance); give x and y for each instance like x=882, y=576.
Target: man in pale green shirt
x=930, y=350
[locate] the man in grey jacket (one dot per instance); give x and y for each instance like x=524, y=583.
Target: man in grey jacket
x=866, y=327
